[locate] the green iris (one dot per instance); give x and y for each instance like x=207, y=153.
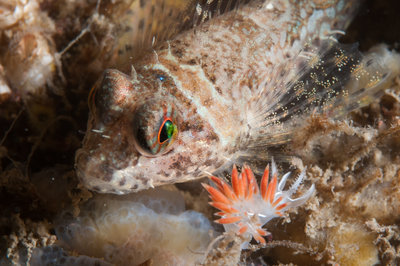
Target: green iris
x=167, y=131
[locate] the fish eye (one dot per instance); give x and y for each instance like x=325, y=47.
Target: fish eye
x=167, y=131
x=155, y=128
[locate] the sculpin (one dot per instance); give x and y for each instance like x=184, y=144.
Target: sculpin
x=226, y=90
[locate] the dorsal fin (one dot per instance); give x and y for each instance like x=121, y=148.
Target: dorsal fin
x=145, y=24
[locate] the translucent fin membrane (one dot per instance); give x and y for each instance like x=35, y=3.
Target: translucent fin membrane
x=148, y=23
x=325, y=78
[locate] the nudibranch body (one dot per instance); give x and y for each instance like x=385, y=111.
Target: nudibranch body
x=245, y=208
x=230, y=88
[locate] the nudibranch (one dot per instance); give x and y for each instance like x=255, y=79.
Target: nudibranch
x=245, y=208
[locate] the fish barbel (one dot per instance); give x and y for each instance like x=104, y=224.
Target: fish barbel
x=228, y=89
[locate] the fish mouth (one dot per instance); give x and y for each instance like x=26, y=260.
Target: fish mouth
x=100, y=175
x=107, y=165
x=94, y=174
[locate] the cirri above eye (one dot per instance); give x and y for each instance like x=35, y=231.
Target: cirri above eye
x=155, y=127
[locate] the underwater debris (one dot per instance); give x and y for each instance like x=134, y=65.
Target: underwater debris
x=30, y=63
x=5, y=90
x=352, y=245
x=30, y=59
x=54, y=255
x=245, y=208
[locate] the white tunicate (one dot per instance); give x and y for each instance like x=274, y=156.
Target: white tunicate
x=129, y=230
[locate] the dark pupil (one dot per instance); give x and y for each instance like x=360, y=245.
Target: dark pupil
x=166, y=131
x=141, y=139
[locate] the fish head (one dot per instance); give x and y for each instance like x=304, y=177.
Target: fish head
x=143, y=133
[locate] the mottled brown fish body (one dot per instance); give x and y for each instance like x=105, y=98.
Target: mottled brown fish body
x=190, y=104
